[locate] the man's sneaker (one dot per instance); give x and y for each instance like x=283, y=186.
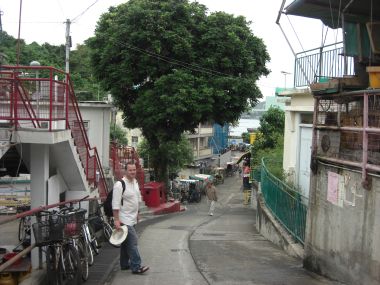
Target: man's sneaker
x=141, y=270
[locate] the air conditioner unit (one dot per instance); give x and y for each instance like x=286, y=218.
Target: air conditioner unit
x=374, y=36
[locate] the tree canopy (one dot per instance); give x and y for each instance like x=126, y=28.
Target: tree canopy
x=170, y=65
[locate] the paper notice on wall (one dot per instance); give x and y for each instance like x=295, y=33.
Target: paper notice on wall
x=335, y=189
x=332, y=187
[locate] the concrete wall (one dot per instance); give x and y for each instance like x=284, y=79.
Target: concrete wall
x=343, y=236
x=98, y=115
x=56, y=186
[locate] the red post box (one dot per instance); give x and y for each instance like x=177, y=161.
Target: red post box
x=154, y=193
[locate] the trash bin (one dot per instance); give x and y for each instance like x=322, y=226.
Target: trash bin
x=153, y=194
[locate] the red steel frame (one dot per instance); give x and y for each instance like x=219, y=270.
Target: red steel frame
x=64, y=101
x=119, y=156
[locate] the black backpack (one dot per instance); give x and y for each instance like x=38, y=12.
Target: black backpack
x=107, y=205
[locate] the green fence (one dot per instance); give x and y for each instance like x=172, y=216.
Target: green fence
x=287, y=205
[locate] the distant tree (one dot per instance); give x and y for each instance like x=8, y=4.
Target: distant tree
x=180, y=153
x=86, y=84
x=272, y=125
x=118, y=134
x=245, y=137
x=170, y=65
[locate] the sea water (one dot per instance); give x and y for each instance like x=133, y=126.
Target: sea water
x=243, y=125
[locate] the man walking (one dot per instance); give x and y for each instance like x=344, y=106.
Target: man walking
x=211, y=195
x=125, y=206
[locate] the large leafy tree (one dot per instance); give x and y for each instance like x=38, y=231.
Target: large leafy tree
x=170, y=65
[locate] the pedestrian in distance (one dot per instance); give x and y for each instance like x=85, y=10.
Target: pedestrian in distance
x=211, y=196
x=246, y=175
x=125, y=206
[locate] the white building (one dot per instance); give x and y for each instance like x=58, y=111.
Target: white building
x=298, y=137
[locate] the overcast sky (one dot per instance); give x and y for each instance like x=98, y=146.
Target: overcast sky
x=42, y=21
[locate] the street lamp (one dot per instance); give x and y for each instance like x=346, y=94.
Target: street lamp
x=37, y=94
x=285, y=73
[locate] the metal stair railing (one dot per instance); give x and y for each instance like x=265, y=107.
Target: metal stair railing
x=91, y=163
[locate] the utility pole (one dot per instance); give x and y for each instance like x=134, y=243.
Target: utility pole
x=68, y=46
x=1, y=26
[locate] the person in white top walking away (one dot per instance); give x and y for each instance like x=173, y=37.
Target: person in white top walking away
x=126, y=213
x=211, y=195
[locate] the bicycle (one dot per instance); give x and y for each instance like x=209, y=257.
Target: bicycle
x=24, y=226
x=74, y=220
x=62, y=258
x=98, y=221
x=91, y=245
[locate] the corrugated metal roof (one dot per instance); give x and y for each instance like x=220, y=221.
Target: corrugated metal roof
x=329, y=11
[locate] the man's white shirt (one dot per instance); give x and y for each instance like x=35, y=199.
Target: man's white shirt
x=131, y=198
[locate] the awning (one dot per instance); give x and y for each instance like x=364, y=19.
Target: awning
x=329, y=11
x=245, y=155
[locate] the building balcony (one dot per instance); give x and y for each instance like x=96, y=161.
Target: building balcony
x=320, y=64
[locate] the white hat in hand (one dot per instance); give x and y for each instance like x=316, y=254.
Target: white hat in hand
x=118, y=236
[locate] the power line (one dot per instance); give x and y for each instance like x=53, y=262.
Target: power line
x=35, y=22
x=192, y=67
x=81, y=14
x=186, y=65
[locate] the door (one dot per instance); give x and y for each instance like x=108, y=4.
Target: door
x=304, y=157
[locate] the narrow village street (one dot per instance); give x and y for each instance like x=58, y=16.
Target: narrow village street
x=194, y=248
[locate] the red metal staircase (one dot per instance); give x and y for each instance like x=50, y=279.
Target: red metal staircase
x=44, y=98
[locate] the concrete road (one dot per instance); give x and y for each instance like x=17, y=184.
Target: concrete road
x=194, y=248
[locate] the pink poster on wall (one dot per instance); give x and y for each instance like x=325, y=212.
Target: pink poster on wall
x=332, y=187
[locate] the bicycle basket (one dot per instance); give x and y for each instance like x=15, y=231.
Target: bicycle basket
x=73, y=222
x=49, y=231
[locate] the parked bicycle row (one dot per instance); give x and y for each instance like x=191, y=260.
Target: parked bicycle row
x=68, y=239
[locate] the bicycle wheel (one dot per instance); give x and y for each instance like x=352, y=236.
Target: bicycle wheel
x=21, y=229
x=83, y=256
x=54, y=276
x=89, y=252
x=70, y=266
x=94, y=241
x=107, y=229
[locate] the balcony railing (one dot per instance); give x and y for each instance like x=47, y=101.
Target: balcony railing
x=325, y=62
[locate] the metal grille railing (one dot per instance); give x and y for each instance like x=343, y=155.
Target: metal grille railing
x=347, y=130
x=286, y=204
x=324, y=62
